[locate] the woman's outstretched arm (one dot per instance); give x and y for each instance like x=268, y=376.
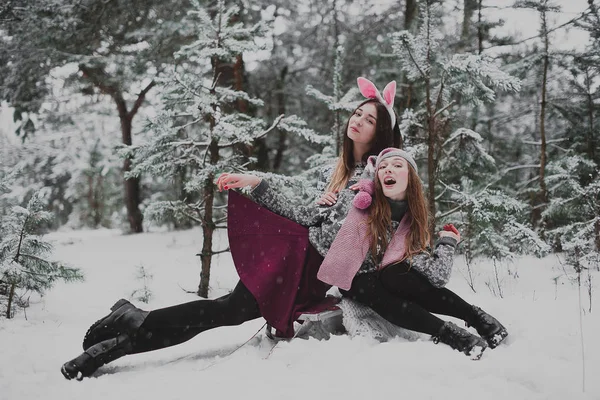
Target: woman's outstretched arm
x=437, y=266
x=272, y=199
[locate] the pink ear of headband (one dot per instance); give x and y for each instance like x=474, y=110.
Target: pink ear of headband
x=369, y=90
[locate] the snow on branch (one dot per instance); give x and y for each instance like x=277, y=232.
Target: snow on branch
x=345, y=103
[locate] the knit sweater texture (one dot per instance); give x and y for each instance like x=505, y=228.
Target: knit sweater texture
x=324, y=223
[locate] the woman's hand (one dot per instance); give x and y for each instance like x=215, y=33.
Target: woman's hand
x=450, y=230
x=328, y=199
x=233, y=181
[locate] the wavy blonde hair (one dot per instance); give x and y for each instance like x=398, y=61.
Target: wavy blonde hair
x=380, y=218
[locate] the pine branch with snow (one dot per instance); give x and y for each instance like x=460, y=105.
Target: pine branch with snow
x=574, y=209
x=336, y=102
x=205, y=128
x=493, y=222
x=25, y=263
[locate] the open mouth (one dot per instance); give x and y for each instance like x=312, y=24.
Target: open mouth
x=388, y=180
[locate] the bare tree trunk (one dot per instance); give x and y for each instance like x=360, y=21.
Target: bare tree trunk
x=282, y=134
x=432, y=140
x=410, y=15
x=132, y=186
x=431, y=162
x=597, y=231
x=94, y=202
x=469, y=7
x=410, y=24
x=542, y=197
x=11, y=295
x=208, y=225
x=479, y=28
x=238, y=76
x=591, y=140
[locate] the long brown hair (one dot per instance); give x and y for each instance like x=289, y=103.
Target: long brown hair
x=380, y=218
x=384, y=137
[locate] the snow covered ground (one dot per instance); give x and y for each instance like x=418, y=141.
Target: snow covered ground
x=541, y=359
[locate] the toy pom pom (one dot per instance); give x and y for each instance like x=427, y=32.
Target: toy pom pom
x=362, y=200
x=366, y=185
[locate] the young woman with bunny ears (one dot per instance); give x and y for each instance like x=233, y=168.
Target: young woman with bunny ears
x=276, y=256
x=360, y=140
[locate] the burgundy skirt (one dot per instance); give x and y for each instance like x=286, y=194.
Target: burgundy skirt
x=276, y=262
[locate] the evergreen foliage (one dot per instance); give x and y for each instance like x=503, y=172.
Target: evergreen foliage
x=444, y=78
x=199, y=130
x=25, y=264
x=494, y=223
x=75, y=74
x=574, y=183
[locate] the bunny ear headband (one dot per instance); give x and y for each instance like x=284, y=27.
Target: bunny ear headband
x=368, y=89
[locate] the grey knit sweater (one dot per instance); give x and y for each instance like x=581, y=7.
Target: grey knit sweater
x=324, y=222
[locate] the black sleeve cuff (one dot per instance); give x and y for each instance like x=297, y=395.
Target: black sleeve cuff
x=260, y=189
x=450, y=241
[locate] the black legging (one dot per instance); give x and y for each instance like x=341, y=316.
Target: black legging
x=407, y=299
x=173, y=325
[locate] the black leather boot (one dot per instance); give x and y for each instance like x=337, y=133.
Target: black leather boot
x=96, y=356
x=124, y=318
x=488, y=327
x=461, y=340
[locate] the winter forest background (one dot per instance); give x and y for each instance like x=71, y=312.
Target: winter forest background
x=120, y=114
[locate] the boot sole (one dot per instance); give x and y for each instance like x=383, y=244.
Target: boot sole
x=95, y=335
x=63, y=370
x=497, y=338
x=98, y=355
x=476, y=352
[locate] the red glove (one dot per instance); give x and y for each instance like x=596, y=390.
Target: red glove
x=451, y=228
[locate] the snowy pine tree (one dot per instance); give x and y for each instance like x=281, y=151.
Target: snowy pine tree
x=493, y=223
x=200, y=131
x=574, y=209
x=442, y=77
x=25, y=263
x=336, y=102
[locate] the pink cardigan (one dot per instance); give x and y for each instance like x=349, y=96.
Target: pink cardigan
x=350, y=246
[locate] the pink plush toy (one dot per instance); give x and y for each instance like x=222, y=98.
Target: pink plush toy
x=363, y=198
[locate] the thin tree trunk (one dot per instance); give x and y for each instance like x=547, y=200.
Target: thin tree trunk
x=591, y=142
x=479, y=28
x=90, y=197
x=431, y=162
x=543, y=196
x=11, y=295
x=93, y=199
x=468, y=12
x=410, y=15
x=431, y=145
x=238, y=76
x=281, y=134
x=132, y=185
x=99, y=200
x=597, y=231
x=208, y=225
x=13, y=284
x=410, y=24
